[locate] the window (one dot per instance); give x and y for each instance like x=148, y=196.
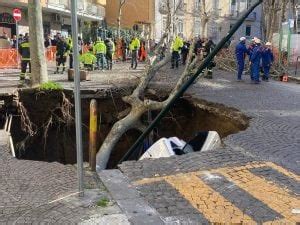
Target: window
x=197, y=4
x=164, y=25
x=197, y=27
x=215, y=4
x=248, y=31
x=249, y=3
x=180, y=26
x=233, y=7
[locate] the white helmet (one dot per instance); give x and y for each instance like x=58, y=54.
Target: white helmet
x=243, y=39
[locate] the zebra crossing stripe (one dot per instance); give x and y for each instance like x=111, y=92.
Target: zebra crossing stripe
x=273, y=196
x=211, y=204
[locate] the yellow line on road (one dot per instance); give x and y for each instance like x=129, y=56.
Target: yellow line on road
x=209, y=202
x=275, y=197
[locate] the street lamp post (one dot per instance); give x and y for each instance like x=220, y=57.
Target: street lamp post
x=77, y=98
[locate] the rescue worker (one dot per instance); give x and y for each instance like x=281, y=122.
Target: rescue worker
x=110, y=50
x=240, y=53
x=123, y=49
x=208, y=46
x=69, y=42
x=255, y=61
x=24, y=51
x=177, y=44
x=250, y=50
x=267, y=60
x=100, y=52
x=88, y=59
x=61, y=54
x=134, y=47
x=142, y=52
x=185, y=51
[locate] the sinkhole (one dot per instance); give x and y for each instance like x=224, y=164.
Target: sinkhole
x=41, y=130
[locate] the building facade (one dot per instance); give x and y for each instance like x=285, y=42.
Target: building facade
x=221, y=15
x=56, y=15
x=135, y=13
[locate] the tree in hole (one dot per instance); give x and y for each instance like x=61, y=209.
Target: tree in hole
x=139, y=103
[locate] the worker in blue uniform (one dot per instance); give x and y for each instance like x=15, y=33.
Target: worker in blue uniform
x=255, y=60
x=250, y=50
x=267, y=60
x=240, y=53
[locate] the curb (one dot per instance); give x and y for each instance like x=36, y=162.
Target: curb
x=137, y=210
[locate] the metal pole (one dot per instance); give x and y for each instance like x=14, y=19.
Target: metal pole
x=93, y=134
x=189, y=82
x=17, y=42
x=74, y=10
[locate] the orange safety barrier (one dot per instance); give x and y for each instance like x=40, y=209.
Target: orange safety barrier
x=285, y=78
x=8, y=58
x=50, y=53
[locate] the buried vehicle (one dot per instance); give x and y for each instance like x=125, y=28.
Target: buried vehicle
x=166, y=147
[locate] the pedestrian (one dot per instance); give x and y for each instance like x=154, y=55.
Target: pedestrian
x=185, y=51
x=134, y=47
x=255, y=61
x=24, y=51
x=208, y=46
x=267, y=60
x=177, y=44
x=110, y=50
x=240, y=53
x=100, y=52
x=61, y=54
x=88, y=59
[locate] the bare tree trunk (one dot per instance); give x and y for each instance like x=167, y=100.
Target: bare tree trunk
x=39, y=72
x=121, y=4
x=204, y=19
x=119, y=22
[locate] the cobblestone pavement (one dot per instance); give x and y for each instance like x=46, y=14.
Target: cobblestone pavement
x=253, y=179
x=33, y=192
x=121, y=75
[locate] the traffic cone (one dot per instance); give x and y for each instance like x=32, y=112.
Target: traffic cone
x=285, y=78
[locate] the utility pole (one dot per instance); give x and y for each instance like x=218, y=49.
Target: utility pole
x=77, y=97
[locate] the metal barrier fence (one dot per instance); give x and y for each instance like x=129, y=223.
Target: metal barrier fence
x=10, y=59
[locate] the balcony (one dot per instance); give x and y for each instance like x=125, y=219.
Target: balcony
x=86, y=8
x=59, y=4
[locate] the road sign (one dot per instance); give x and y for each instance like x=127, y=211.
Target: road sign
x=17, y=14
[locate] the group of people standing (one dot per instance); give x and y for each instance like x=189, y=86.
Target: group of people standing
x=260, y=56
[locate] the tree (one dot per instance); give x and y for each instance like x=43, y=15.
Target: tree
x=204, y=16
x=39, y=72
x=274, y=13
x=121, y=4
x=139, y=103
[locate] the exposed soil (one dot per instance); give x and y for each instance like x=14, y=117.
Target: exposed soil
x=188, y=117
